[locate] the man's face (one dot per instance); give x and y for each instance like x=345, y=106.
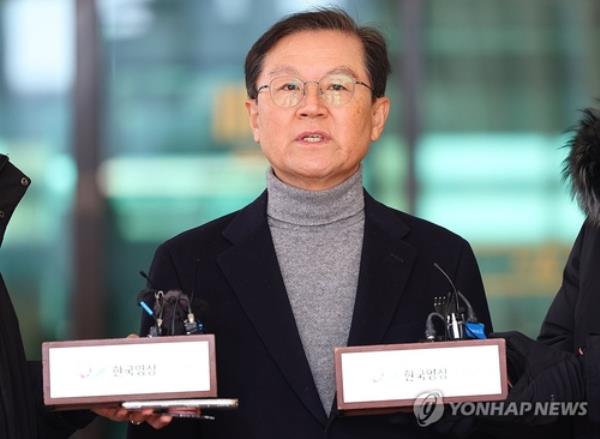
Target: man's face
x=314, y=145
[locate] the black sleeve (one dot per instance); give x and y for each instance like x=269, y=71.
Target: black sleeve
x=558, y=326
x=55, y=424
x=17, y=406
x=22, y=410
x=592, y=377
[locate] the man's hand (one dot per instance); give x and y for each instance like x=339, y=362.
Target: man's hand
x=135, y=417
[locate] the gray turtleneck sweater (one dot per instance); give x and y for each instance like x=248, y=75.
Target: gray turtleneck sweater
x=318, y=240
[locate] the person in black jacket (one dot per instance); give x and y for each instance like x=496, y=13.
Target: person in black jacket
x=17, y=404
x=22, y=413
x=563, y=365
x=573, y=320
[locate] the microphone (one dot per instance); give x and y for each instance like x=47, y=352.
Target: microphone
x=171, y=311
x=454, y=316
x=448, y=309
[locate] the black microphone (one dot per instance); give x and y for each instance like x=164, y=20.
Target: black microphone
x=173, y=311
x=454, y=318
x=448, y=309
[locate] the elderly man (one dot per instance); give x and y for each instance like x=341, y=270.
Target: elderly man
x=315, y=262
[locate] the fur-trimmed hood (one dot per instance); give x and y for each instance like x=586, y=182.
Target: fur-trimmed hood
x=582, y=165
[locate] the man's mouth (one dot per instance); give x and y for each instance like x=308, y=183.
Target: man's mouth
x=312, y=137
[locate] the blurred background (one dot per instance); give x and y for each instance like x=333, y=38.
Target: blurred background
x=128, y=116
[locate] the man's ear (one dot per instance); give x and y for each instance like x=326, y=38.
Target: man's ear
x=379, y=114
x=252, y=108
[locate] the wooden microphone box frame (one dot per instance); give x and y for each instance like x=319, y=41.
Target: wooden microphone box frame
x=67, y=403
x=385, y=405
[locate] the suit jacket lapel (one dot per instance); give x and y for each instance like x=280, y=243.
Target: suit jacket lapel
x=385, y=266
x=251, y=267
x=386, y=263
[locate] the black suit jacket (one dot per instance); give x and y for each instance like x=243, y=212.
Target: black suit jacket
x=231, y=265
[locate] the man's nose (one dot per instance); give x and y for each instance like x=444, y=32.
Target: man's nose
x=312, y=103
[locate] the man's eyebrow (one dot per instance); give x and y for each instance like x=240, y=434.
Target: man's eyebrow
x=343, y=69
x=292, y=71
x=283, y=69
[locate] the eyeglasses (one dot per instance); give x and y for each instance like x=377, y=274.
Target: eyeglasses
x=335, y=89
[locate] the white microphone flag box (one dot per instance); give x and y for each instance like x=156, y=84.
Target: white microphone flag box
x=86, y=373
x=395, y=375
